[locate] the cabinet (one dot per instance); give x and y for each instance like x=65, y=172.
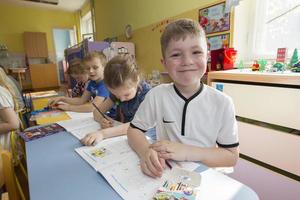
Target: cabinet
x=266, y=99
x=43, y=75
x=35, y=44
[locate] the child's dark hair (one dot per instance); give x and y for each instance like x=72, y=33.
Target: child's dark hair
x=179, y=29
x=121, y=70
x=77, y=68
x=95, y=54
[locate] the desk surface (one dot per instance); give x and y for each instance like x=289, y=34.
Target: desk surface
x=56, y=171
x=246, y=75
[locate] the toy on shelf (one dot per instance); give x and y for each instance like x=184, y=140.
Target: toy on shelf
x=295, y=58
x=262, y=64
x=255, y=66
x=296, y=67
x=281, y=54
x=279, y=66
x=240, y=65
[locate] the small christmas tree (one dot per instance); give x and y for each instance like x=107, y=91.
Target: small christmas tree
x=294, y=58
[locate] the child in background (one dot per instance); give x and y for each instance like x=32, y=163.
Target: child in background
x=193, y=121
x=94, y=64
x=9, y=120
x=16, y=88
x=78, y=72
x=127, y=91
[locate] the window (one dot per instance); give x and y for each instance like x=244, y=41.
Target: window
x=262, y=26
x=86, y=25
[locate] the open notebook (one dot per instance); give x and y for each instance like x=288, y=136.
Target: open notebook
x=120, y=166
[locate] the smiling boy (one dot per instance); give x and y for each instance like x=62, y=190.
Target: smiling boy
x=193, y=121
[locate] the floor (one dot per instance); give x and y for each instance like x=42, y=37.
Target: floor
x=267, y=184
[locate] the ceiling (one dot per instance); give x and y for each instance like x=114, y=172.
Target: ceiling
x=67, y=5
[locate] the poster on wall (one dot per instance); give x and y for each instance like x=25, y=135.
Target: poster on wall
x=214, y=19
x=218, y=41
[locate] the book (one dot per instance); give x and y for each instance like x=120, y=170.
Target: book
x=43, y=94
x=50, y=116
x=181, y=184
x=80, y=127
x=120, y=166
x=281, y=54
x=40, y=132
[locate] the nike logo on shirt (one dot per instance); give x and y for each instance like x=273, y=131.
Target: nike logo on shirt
x=165, y=121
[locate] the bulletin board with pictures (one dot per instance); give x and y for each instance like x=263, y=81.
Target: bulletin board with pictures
x=218, y=27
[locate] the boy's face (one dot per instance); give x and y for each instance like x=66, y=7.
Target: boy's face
x=124, y=93
x=95, y=69
x=185, y=60
x=80, y=77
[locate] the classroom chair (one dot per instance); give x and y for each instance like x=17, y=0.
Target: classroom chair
x=19, y=162
x=18, y=152
x=9, y=176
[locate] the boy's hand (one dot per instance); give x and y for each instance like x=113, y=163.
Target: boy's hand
x=102, y=121
x=59, y=106
x=106, y=123
x=170, y=150
x=53, y=102
x=92, y=138
x=151, y=164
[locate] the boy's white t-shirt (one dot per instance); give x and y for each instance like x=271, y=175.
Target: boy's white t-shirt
x=204, y=120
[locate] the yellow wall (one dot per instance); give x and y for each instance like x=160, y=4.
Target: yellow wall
x=14, y=20
x=145, y=17
x=111, y=16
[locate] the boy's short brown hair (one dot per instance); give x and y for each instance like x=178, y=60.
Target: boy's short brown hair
x=121, y=70
x=179, y=29
x=95, y=54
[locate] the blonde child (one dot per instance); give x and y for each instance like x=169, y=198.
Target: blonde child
x=78, y=72
x=9, y=120
x=15, y=86
x=94, y=64
x=193, y=121
x=127, y=91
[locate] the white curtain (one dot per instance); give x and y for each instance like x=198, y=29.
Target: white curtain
x=262, y=26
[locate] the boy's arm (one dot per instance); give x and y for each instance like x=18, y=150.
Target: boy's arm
x=95, y=137
x=151, y=164
x=103, y=107
x=10, y=120
x=212, y=157
x=86, y=107
x=78, y=100
x=72, y=101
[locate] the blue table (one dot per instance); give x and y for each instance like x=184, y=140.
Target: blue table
x=57, y=172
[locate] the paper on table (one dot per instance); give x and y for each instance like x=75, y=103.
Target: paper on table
x=189, y=166
x=78, y=115
x=80, y=127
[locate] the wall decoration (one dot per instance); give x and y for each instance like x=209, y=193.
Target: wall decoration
x=218, y=41
x=214, y=19
x=161, y=25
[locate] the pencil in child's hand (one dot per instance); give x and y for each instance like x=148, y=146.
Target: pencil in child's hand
x=103, y=115
x=168, y=164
